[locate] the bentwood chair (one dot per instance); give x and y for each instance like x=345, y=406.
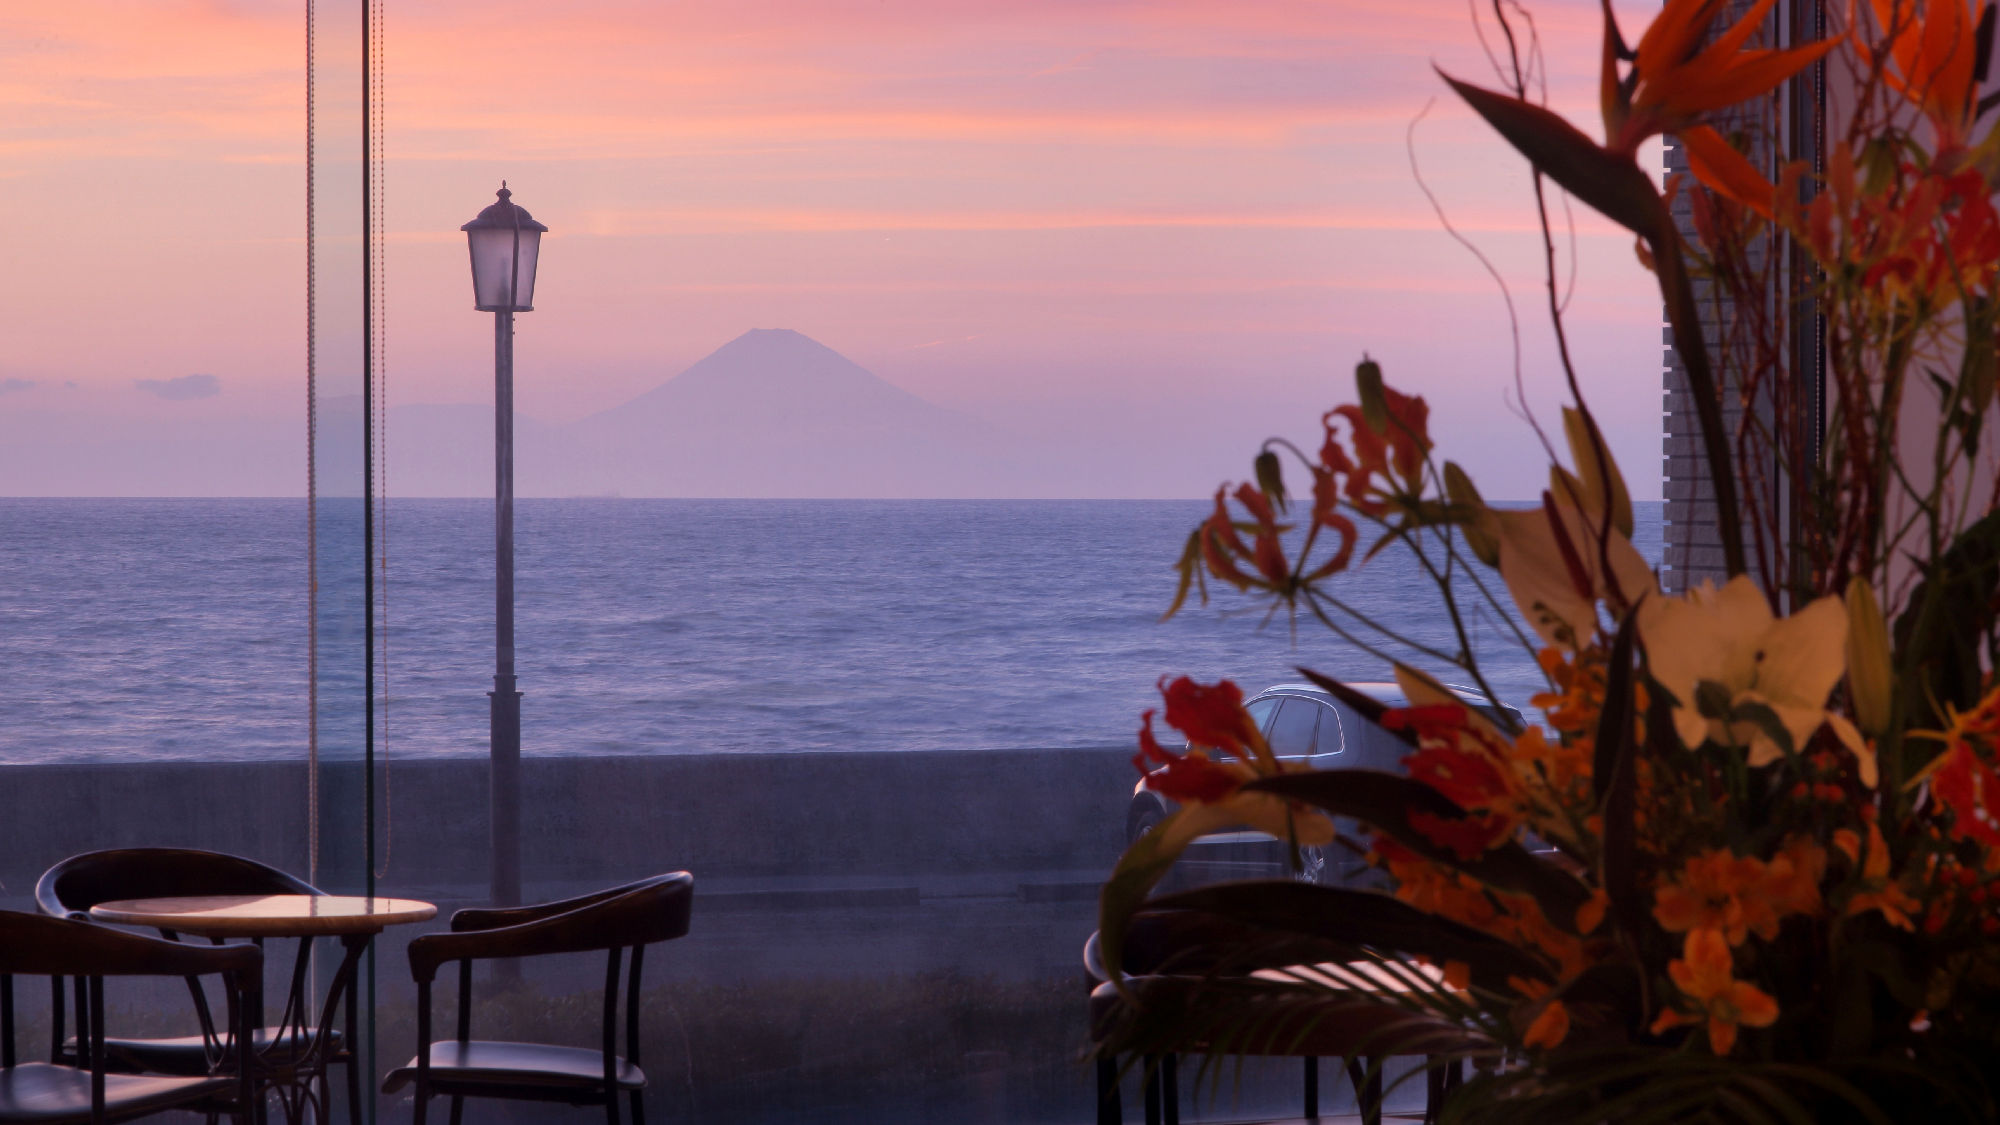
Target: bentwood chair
x=87, y=1090
x=1169, y=967
x=70, y=888
x=611, y=921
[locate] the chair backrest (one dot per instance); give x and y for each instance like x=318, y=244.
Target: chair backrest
x=1197, y=943
x=609, y=921
x=72, y=887
x=38, y=945
x=637, y=914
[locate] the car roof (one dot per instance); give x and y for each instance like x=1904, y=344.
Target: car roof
x=1380, y=693
x=1386, y=693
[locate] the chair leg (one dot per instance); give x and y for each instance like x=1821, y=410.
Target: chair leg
x=423, y=1105
x=1170, y=1090
x=353, y=1089
x=638, y=1107
x=1152, y=1076
x=1110, y=1105
x=1371, y=1100
x=457, y=1109
x=611, y=1106
x=1312, y=1086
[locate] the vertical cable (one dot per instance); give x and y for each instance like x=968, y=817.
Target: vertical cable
x=380, y=341
x=369, y=162
x=312, y=493
x=368, y=447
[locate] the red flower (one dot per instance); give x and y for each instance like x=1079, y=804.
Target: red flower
x=1969, y=788
x=1222, y=545
x=1396, y=454
x=1269, y=554
x=1191, y=778
x=1460, y=761
x=1963, y=777
x=1212, y=715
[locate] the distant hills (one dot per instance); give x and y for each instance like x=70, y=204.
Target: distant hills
x=771, y=413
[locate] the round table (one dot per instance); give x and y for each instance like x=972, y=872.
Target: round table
x=291, y=1059
x=265, y=915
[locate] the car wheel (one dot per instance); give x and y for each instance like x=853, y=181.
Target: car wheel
x=1145, y=815
x=1314, y=868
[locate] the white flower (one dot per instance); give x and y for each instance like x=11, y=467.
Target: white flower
x=1730, y=638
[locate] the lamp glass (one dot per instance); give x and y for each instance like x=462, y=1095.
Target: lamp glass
x=493, y=268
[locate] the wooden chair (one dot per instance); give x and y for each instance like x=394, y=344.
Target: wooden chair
x=611, y=921
x=1169, y=963
x=54, y=1093
x=70, y=888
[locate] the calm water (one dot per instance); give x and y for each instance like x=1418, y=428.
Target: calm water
x=148, y=629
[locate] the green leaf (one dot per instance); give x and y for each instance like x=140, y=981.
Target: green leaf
x=1878, y=165
x=1355, y=919
x=1713, y=700
x=1765, y=720
x=1478, y=537
x=1386, y=801
x=1189, y=567
x=1938, y=635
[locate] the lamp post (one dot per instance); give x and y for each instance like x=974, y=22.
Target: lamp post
x=505, y=243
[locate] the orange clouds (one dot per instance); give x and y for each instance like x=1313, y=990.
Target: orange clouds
x=1040, y=179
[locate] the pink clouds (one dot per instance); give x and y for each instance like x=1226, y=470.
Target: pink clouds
x=1095, y=192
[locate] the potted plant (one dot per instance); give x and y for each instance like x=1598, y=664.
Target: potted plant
x=1743, y=863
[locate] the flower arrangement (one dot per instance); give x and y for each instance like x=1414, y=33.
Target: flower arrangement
x=1744, y=864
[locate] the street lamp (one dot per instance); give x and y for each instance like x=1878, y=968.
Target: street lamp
x=505, y=243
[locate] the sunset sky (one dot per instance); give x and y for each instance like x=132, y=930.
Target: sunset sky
x=1168, y=227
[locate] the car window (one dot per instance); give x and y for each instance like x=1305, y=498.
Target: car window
x=1374, y=748
x=1331, y=731
x=1260, y=713
x=1292, y=731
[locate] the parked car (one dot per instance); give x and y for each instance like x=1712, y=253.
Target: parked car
x=1302, y=723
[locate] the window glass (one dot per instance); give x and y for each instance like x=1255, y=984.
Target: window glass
x=1332, y=726
x=1292, y=733
x=1260, y=713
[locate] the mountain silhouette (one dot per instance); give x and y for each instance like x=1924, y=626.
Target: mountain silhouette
x=772, y=413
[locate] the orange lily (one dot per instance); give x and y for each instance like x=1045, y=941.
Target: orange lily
x=1879, y=892
x=1706, y=974
x=1720, y=892
x=1551, y=1026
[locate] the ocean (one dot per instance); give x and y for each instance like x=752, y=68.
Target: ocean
x=176, y=629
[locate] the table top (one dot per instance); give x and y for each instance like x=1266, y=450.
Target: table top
x=265, y=915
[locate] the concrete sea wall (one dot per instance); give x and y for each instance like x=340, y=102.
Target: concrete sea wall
x=738, y=821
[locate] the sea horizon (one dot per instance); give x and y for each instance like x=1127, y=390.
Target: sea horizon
x=143, y=629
